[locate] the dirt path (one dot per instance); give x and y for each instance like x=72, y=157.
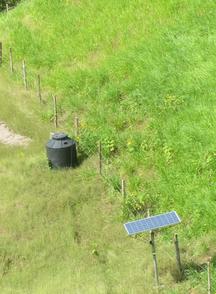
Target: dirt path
x=10, y=138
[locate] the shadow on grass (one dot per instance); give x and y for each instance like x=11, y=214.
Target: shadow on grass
x=188, y=270
x=81, y=157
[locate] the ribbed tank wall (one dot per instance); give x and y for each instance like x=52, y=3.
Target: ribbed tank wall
x=61, y=151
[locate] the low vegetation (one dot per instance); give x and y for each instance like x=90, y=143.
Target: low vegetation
x=140, y=77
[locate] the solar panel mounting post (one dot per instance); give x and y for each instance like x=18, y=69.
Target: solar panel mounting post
x=150, y=224
x=178, y=257
x=152, y=243
x=153, y=247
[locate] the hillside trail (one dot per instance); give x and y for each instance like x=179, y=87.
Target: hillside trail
x=8, y=137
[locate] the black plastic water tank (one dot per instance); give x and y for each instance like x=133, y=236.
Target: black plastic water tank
x=61, y=151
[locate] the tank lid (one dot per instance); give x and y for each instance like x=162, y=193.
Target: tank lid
x=59, y=136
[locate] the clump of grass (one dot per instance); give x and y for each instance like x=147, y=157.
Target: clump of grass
x=141, y=79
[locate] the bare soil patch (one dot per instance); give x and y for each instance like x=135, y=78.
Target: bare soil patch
x=8, y=137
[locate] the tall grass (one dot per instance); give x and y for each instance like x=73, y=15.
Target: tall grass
x=140, y=75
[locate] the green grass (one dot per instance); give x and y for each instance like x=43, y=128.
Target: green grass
x=140, y=76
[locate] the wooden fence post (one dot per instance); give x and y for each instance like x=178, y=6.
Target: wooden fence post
x=39, y=88
x=11, y=61
x=76, y=128
x=1, y=57
x=24, y=75
x=55, y=111
x=76, y=124
x=7, y=7
x=100, y=157
x=123, y=191
x=178, y=257
x=209, y=277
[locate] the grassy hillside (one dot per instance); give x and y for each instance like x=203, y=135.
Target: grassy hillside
x=140, y=76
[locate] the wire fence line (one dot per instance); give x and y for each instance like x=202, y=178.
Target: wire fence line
x=32, y=81
x=201, y=273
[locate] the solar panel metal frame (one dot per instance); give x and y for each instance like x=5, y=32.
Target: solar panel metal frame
x=152, y=223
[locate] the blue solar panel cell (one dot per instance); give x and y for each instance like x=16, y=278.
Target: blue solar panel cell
x=152, y=223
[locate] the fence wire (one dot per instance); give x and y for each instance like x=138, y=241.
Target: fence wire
x=203, y=277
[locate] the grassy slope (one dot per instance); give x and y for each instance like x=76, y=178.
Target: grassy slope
x=53, y=224
x=140, y=74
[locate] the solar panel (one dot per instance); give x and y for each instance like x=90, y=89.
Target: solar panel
x=152, y=223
